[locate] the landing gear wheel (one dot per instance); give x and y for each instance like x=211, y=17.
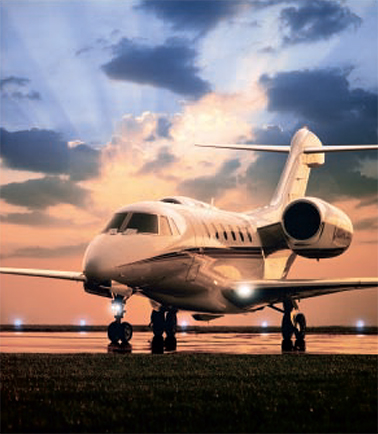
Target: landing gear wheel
x=287, y=346
x=300, y=326
x=300, y=332
x=114, y=332
x=171, y=322
x=287, y=327
x=118, y=331
x=300, y=345
x=158, y=322
x=157, y=345
x=126, y=332
x=170, y=343
x=163, y=321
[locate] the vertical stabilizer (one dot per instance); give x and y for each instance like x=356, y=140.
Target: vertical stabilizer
x=295, y=176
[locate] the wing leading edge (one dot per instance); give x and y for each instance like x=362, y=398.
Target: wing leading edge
x=53, y=274
x=266, y=292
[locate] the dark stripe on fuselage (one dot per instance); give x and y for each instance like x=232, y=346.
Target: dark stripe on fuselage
x=213, y=252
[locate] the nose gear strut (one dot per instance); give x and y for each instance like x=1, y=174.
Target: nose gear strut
x=119, y=332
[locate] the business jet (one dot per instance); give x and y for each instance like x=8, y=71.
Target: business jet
x=183, y=254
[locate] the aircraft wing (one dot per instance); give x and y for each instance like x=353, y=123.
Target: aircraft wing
x=67, y=275
x=265, y=292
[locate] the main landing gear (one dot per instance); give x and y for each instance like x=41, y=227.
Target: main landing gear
x=119, y=332
x=293, y=324
x=163, y=320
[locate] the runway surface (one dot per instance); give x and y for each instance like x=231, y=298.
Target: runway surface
x=220, y=343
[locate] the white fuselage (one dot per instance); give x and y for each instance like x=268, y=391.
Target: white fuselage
x=185, y=267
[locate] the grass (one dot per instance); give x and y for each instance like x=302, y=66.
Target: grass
x=188, y=393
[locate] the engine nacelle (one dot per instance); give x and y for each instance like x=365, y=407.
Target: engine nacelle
x=315, y=229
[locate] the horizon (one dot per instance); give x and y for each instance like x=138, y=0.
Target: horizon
x=102, y=103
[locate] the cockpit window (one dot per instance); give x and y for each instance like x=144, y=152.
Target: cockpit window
x=116, y=221
x=165, y=229
x=143, y=223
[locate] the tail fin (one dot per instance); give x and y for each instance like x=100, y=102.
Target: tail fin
x=306, y=151
x=296, y=173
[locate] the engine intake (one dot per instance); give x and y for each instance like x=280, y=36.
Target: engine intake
x=302, y=220
x=315, y=229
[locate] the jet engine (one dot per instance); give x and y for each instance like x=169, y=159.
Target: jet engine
x=315, y=229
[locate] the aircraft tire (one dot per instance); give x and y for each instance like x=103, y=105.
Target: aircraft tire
x=300, y=326
x=158, y=322
x=157, y=345
x=300, y=345
x=170, y=343
x=287, y=346
x=287, y=327
x=126, y=332
x=114, y=334
x=171, y=322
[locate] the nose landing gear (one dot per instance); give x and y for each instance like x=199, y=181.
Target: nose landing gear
x=119, y=333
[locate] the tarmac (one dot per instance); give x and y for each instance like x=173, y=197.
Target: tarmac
x=216, y=343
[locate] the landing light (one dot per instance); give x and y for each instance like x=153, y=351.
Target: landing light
x=360, y=324
x=244, y=291
x=117, y=308
x=83, y=322
x=264, y=324
x=18, y=322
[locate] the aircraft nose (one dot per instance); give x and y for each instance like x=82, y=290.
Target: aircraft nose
x=97, y=265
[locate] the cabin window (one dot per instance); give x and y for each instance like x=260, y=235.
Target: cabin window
x=241, y=235
x=142, y=223
x=232, y=233
x=206, y=229
x=249, y=236
x=224, y=232
x=116, y=222
x=165, y=229
x=216, y=234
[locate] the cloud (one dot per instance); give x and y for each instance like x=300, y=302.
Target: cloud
x=11, y=80
x=200, y=16
x=208, y=187
x=324, y=99
x=43, y=252
x=34, y=218
x=42, y=193
x=45, y=151
x=14, y=87
x=316, y=20
x=169, y=66
x=163, y=160
x=366, y=224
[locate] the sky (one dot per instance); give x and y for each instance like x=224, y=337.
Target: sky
x=101, y=103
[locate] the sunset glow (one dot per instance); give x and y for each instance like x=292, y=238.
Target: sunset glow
x=103, y=102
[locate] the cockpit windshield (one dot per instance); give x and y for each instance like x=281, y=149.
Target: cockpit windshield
x=141, y=223
x=116, y=221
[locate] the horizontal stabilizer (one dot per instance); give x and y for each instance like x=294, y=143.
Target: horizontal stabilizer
x=267, y=292
x=340, y=148
x=251, y=147
x=65, y=275
x=286, y=149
